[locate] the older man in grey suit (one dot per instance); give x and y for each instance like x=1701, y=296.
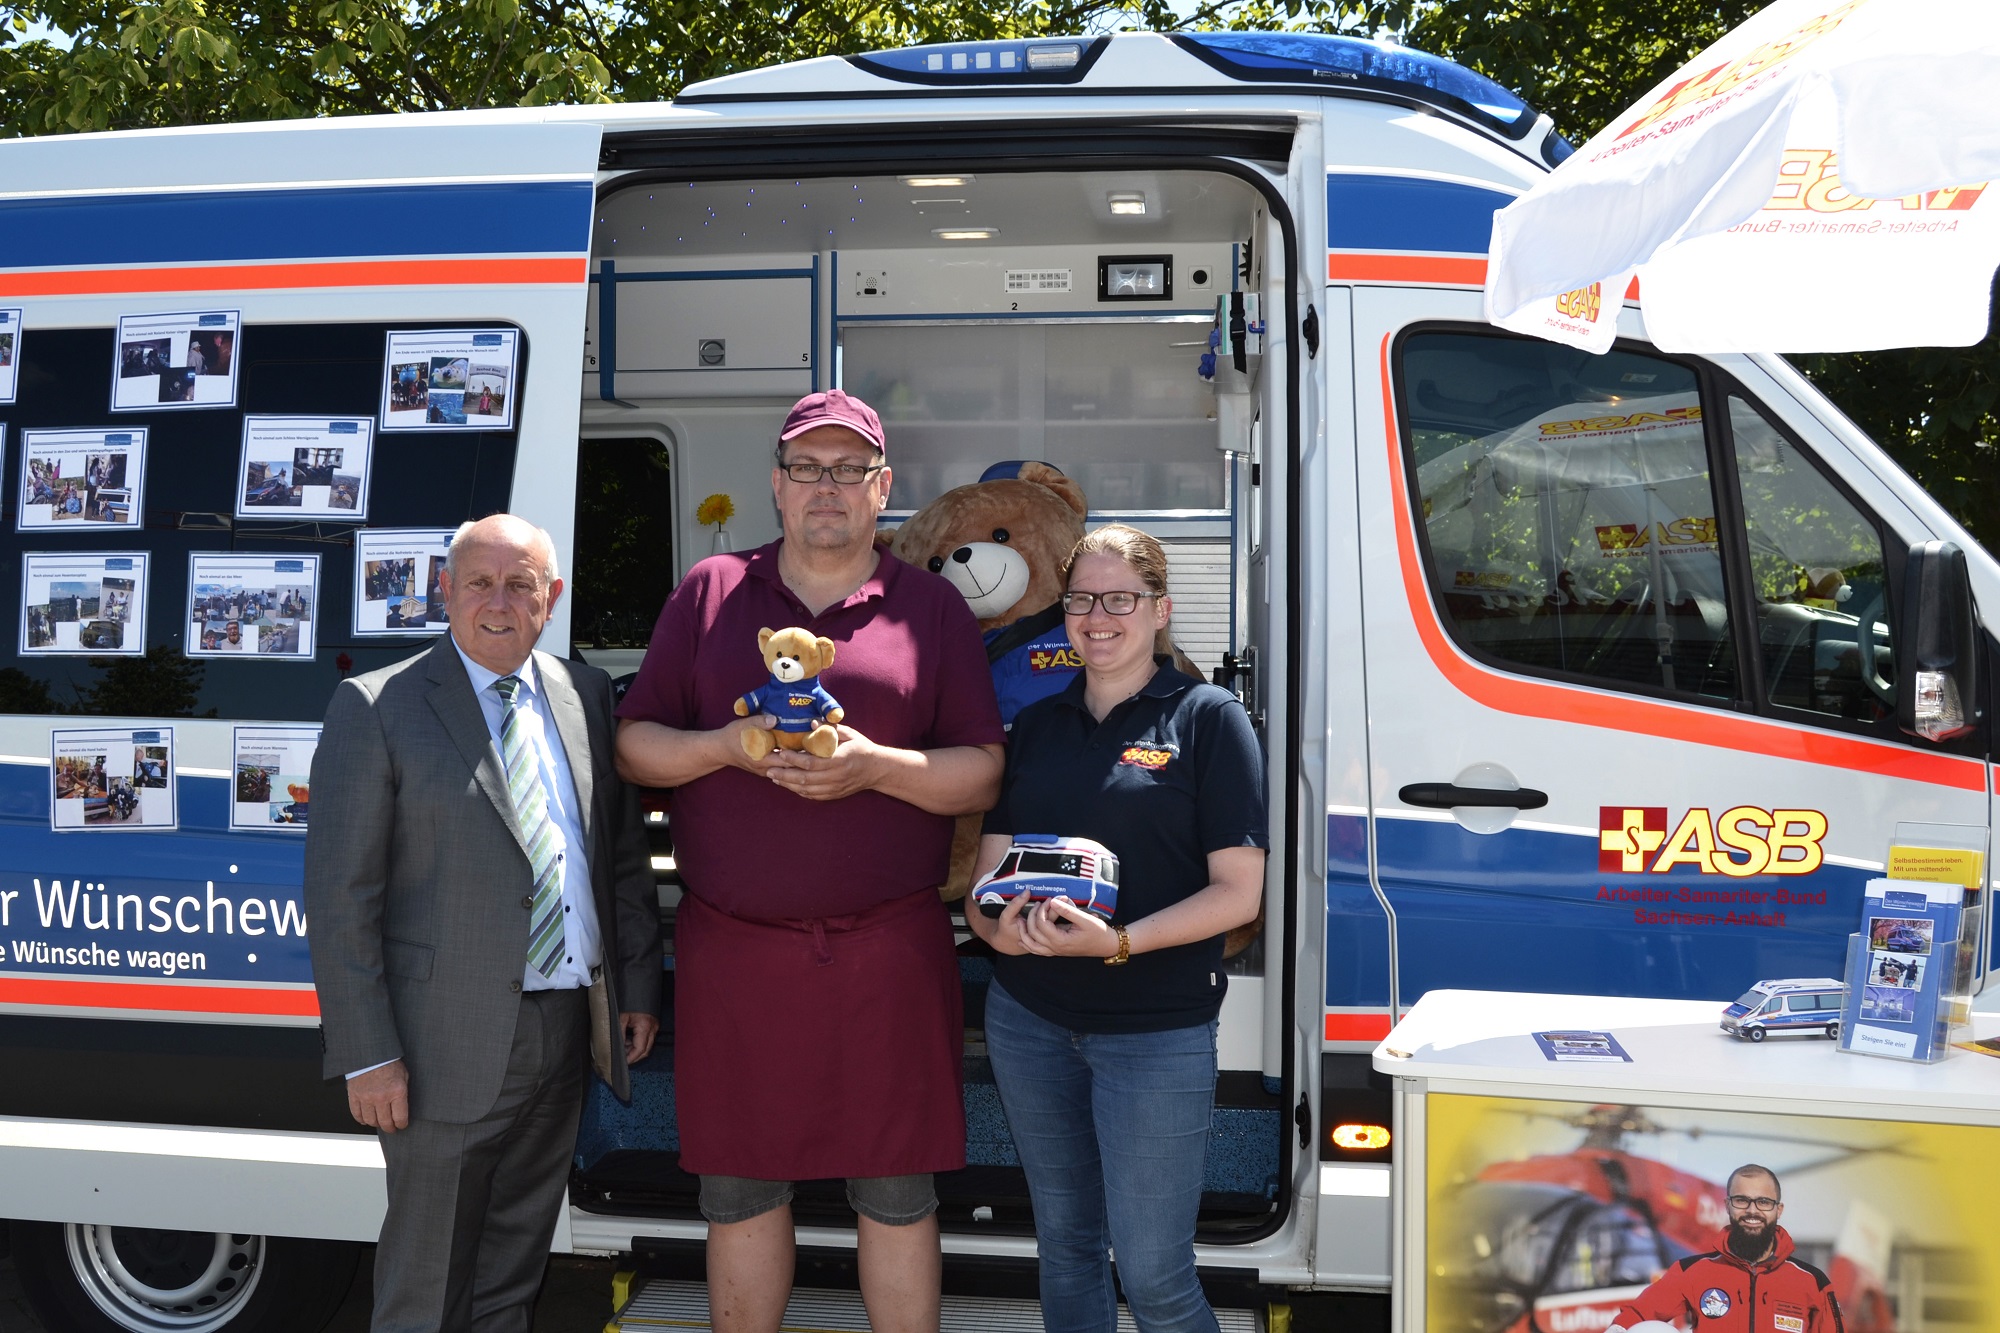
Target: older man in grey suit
x=484, y=924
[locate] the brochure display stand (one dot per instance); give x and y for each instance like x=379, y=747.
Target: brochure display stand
x=1532, y=1191
x=1911, y=967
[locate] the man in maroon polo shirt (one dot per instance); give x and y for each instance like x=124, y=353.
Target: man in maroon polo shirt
x=818, y=1025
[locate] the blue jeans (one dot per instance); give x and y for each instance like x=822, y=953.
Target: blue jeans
x=1112, y=1129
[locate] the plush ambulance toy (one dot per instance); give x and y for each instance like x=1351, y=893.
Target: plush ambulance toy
x=806, y=713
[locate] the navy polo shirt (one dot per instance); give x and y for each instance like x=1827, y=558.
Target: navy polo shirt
x=1170, y=775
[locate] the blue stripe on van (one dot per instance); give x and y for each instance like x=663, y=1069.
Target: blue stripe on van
x=1392, y=213
x=528, y=217
x=1521, y=910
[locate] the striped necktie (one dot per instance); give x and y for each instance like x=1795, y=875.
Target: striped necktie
x=538, y=831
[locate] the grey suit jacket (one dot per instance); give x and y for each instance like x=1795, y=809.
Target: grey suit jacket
x=417, y=884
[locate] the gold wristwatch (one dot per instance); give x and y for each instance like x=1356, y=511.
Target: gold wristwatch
x=1124, y=954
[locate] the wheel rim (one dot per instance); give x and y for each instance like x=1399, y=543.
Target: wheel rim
x=165, y=1281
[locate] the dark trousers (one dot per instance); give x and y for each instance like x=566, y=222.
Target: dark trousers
x=472, y=1208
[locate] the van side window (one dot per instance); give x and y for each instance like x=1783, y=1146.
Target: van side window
x=1566, y=505
x=1817, y=571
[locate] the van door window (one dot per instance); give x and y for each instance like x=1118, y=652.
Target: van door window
x=1818, y=575
x=1567, y=507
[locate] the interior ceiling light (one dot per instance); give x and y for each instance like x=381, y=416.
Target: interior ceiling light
x=1127, y=203
x=965, y=233
x=936, y=182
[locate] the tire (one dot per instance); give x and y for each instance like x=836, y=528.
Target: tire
x=1754, y=1034
x=102, y=1279
x=1833, y=1030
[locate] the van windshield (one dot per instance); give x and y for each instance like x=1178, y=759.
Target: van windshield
x=1750, y=999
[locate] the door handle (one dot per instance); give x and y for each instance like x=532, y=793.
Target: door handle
x=1445, y=795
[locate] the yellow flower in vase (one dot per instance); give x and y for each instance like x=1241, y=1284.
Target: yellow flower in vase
x=714, y=512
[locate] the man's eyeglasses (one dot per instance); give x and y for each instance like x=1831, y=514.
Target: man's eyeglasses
x=846, y=474
x=1115, y=603
x=1744, y=1202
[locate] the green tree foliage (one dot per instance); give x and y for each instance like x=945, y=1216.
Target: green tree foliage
x=161, y=684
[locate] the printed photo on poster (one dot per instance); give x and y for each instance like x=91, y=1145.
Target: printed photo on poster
x=261, y=606
x=450, y=379
x=1899, y=934
x=83, y=604
x=112, y=779
x=399, y=581
x=177, y=360
x=73, y=479
x=1569, y=1217
x=272, y=777
x=304, y=467
x=10, y=353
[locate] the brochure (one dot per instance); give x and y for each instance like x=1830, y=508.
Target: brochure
x=450, y=379
x=398, y=581
x=119, y=778
x=83, y=604
x=1581, y=1047
x=252, y=605
x=72, y=479
x=10, y=353
x=1901, y=970
x=273, y=777
x=178, y=360
x=304, y=467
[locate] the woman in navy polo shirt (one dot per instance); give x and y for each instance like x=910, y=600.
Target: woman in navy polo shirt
x=1102, y=1035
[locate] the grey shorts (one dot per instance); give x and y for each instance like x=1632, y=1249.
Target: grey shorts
x=894, y=1201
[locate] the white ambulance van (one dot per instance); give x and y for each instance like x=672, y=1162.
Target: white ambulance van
x=1576, y=673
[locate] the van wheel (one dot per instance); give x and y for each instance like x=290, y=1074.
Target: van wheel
x=1754, y=1034
x=1833, y=1030
x=102, y=1279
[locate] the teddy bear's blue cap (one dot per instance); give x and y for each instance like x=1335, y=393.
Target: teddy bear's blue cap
x=1011, y=469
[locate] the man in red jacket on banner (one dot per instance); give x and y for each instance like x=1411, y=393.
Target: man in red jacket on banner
x=1749, y=1283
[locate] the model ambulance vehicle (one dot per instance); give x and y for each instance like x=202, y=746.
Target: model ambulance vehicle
x=1608, y=674
x=1810, y=1004
x=1045, y=866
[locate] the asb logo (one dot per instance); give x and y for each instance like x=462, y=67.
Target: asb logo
x=1809, y=181
x=1583, y=303
x=1146, y=756
x=1723, y=80
x=1631, y=421
x=1046, y=659
x=1742, y=841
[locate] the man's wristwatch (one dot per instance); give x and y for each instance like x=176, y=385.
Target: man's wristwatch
x=1124, y=954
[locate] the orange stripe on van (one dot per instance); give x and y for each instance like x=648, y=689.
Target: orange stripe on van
x=1350, y=267
x=176, y=999
x=1358, y=1027
x=1616, y=712
x=268, y=277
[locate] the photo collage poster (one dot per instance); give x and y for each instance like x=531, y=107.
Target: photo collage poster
x=272, y=773
x=399, y=581
x=83, y=604
x=10, y=353
x=116, y=778
x=304, y=467
x=252, y=605
x=73, y=479
x=178, y=360
x=450, y=379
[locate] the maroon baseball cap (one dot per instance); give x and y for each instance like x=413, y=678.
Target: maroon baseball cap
x=835, y=407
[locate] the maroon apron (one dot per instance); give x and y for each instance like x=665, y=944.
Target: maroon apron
x=813, y=1050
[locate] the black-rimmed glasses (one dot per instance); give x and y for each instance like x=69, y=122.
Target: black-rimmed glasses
x=1115, y=603
x=1744, y=1202
x=845, y=474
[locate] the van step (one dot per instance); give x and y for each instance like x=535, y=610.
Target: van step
x=684, y=1305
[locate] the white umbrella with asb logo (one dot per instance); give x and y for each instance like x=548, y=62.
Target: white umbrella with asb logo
x=1815, y=181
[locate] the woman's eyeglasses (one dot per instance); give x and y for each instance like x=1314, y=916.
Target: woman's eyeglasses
x=1115, y=603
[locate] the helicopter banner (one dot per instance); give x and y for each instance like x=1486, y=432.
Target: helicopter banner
x=1561, y=1217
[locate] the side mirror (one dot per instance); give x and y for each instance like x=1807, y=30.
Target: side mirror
x=1937, y=655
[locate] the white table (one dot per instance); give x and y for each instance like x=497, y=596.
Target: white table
x=1696, y=1080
